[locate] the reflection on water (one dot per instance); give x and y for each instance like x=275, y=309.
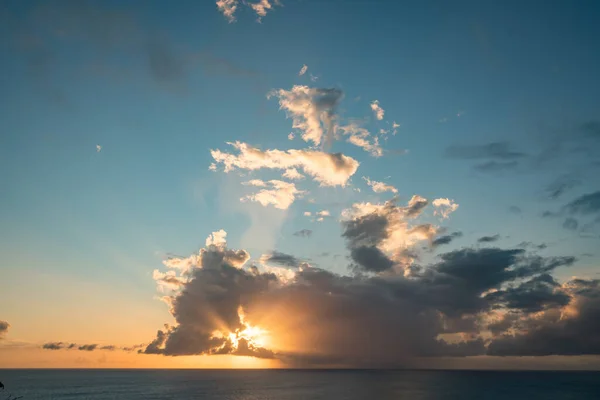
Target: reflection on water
x=299, y=385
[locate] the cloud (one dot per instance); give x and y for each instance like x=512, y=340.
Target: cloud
x=377, y=110
x=488, y=239
x=313, y=110
x=280, y=194
x=312, y=317
x=98, y=148
x=87, y=347
x=262, y=7
x=571, y=330
x=380, y=187
x=395, y=127
x=444, y=207
x=293, y=174
x=4, y=327
x=306, y=233
x=321, y=215
x=515, y=210
x=495, y=150
x=375, y=232
x=303, y=70
x=570, y=224
x=362, y=138
x=495, y=166
x=329, y=169
x=445, y=239
x=561, y=185
x=283, y=259
x=228, y=8
x=584, y=205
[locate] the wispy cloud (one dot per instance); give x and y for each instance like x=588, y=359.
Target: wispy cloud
x=303, y=70
x=228, y=8
x=313, y=110
x=328, y=169
x=444, y=207
x=362, y=138
x=377, y=110
x=277, y=193
x=380, y=187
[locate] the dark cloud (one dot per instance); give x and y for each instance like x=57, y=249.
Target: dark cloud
x=488, y=239
x=591, y=128
x=303, y=233
x=446, y=239
x=532, y=296
x=515, y=210
x=283, y=259
x=574, y=332
x=586, y=204
x=496, y=166
x=570, y=224
x=496, y=151
x=54, y=346
x=561, y=185
x=540, y=246
x=370, y=258
x=165, y=65
x=87, y=347
x=4, y=327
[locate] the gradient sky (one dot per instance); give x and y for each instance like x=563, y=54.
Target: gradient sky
x=109, y=111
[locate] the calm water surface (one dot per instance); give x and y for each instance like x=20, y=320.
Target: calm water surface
x=298, y=385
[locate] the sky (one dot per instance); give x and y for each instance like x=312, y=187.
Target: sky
x=299, y=183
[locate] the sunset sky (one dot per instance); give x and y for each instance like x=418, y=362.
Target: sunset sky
x=300, y=183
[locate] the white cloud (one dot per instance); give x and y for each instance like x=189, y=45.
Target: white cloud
x=399, y=233
x=228, y=8
x=98, y=148
x=379, y=112
x=303, y=70
x=281, y=194
x=362, y=138
x=217, y=239
x=329, y=169
x=312, y=110
x=395, y=127
x=313, y=78
x=321, y=215
x=307, y=213
x=380, y=187
x=255, y=182
x=291, y=136
x=262, y=7
x=444, y=207
x=293, y=174
x=212, y=167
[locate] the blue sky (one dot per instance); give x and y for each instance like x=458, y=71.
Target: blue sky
x=158, y=87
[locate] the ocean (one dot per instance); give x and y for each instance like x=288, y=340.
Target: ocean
x=298, y=384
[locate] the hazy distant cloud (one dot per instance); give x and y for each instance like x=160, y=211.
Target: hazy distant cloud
x=444, y=207
x=586, y=204
x=362, y=138
x=228, y=8
x=561, y=185
x=570, y=224
x=495, y=150
x=87, y=347
x=329, y=169
x=496, y=166
x=380, y=187
x=277, y=193
x=515, y=209
x=488, y=239
x=306, y=233
x=4, y=327
x=303, y=70
x=377, y=110
x=165, y=64
x=313, y=110
x=98, y=148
